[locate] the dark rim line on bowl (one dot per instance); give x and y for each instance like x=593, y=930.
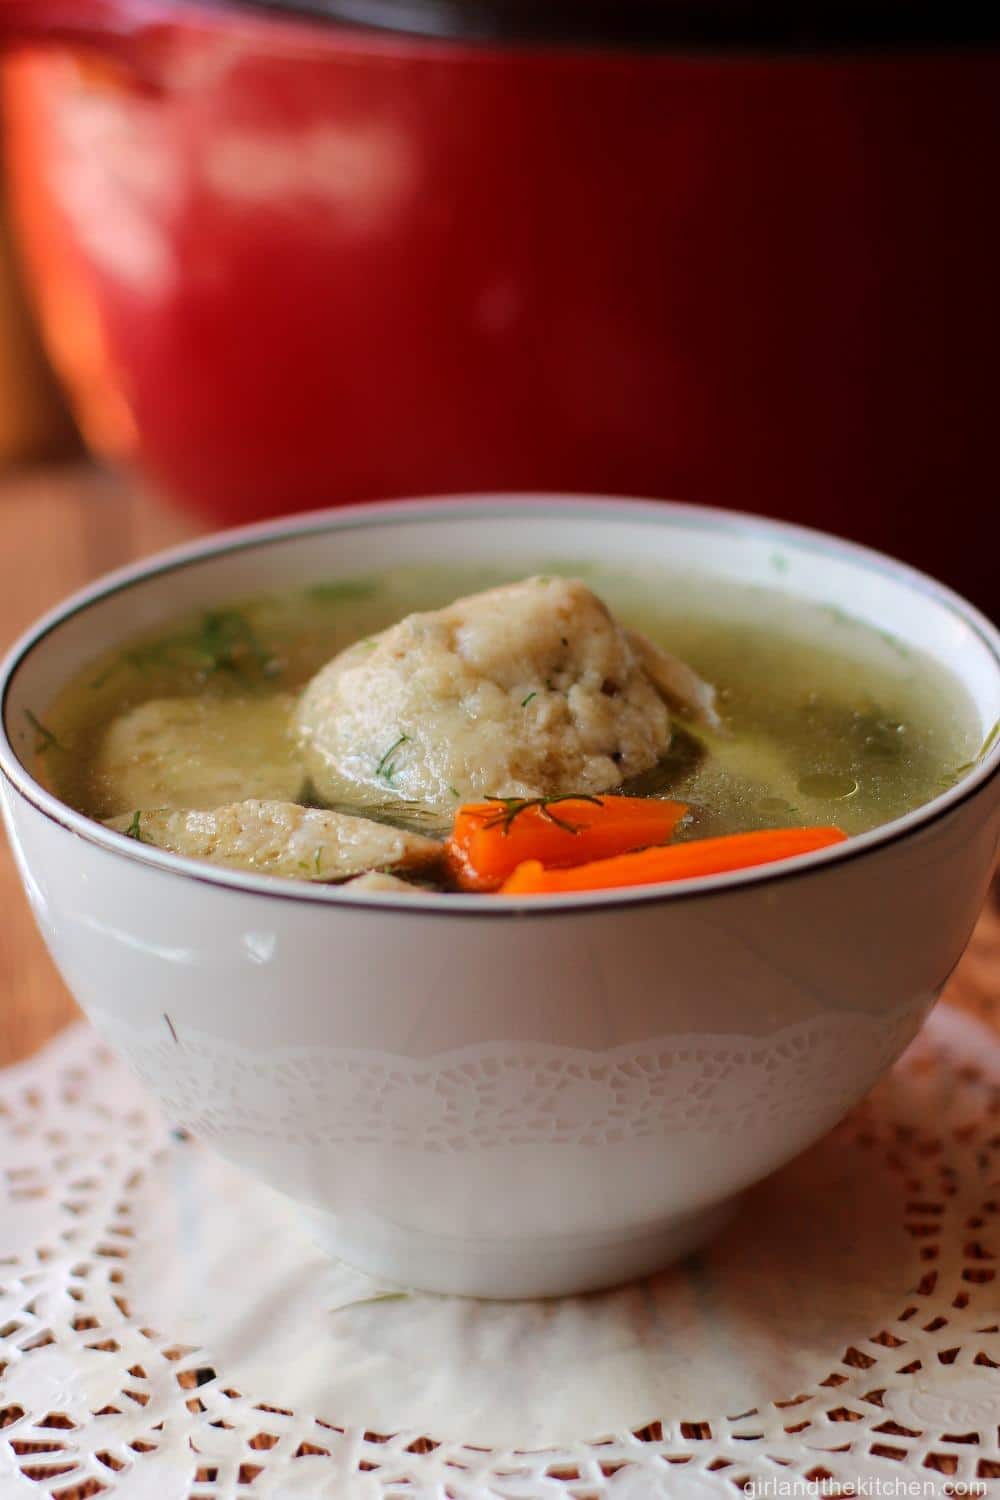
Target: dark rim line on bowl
x=417, y=511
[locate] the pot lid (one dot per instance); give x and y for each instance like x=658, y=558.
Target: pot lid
x=786, y=24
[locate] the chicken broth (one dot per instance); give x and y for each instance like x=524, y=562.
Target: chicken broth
x=818, y=719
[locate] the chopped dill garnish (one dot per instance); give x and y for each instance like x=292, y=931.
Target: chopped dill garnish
x=224, y=640
x=134, y=830
x=44, y=738
x=339, y=590
x=399, y=812
x=105, y=676
x=526, y=701
x=228, y=642
x=385, y=769
x=512, y=807
x=455, y=792
x=989, y=742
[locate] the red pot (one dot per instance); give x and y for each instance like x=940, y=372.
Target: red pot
x=289, y=263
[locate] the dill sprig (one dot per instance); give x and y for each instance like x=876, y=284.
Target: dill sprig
x=227, y=641
x=397, y=812
x=105, y=676
x=386, y=767
x=44, y=738
x=224, y=640
x=512, y=807
x=134, y=829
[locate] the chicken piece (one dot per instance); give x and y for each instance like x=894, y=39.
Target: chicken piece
x=199, y=753
x=528, y=690
x=677, y=683
x=380, y=881
x=280, y=838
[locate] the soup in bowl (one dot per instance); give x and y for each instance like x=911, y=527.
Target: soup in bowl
x=510, y=882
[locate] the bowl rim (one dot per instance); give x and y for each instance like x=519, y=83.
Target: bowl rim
x=490, y=505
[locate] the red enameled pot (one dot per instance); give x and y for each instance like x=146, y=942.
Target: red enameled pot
x=286, y=260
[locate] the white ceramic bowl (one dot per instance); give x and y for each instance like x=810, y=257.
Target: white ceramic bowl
x=489, y=1096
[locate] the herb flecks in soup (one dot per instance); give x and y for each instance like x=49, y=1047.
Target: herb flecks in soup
x=321, y=733
x=280, y=838
x=529, y=690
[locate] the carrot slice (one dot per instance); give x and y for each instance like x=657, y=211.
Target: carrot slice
x=736, y=851
x=490, y=839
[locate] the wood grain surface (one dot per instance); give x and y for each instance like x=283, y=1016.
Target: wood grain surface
x=62, y=527
x=59, y=528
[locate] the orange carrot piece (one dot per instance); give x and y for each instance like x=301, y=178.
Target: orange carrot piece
x=490, y=839
x=736, y=851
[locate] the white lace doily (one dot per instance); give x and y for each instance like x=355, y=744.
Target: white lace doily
x=167, y=1332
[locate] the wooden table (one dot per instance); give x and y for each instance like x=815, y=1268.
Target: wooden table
x=61, y=528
